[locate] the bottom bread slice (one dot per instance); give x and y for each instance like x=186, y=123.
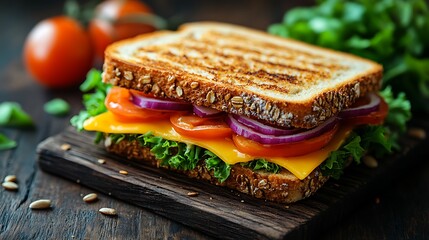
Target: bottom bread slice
x=282, y=187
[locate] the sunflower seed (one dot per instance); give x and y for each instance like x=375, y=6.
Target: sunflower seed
x=123, y=172
x=11, y=186
x=65, y=147
x=237, y=101
x=171, y=78
x=145, y=79
x=108, y=211
x=193, y=194
x=194, y=85
x=370, y=161
x=179, y=91
x=128, y=75
x=117, y=72
x=227, y=97
x=211, y=97
x=417, y=133
x=155, y=88
x=90, y=197
x=41, y=204
x=10, y=178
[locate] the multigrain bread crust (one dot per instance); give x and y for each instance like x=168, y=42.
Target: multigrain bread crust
x=282, y=187
x=238, y=70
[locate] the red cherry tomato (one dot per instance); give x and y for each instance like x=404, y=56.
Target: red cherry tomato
x=58, y=53
x=106, y=27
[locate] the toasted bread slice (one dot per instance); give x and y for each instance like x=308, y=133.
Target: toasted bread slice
x=282, y=187
x=238, y=70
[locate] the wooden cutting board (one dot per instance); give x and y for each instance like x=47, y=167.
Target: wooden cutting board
x=217, y=211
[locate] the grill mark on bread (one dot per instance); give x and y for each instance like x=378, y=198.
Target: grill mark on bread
x=254, y=44
x=301, y=75
x=272, y=80
x=300, y=66
x=207, y=46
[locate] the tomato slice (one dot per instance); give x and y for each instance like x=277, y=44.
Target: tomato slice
x=197, y=127
x=374, y=118
x=285, y=149
x=118, y=101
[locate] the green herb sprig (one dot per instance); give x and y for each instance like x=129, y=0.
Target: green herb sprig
x=12, y=115
x=93, y=100
x=6, y=143
x=391, y=32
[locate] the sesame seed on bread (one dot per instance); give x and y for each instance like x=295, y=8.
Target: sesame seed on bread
x=238, y=70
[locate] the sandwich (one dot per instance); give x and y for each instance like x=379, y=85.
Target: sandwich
x=262, y=115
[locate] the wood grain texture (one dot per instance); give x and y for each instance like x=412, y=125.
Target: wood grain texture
x=215, y=210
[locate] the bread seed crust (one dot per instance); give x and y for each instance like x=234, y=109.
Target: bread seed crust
x=282, y=187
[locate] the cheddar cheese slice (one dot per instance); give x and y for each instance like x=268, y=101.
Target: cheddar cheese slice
x=224, y=148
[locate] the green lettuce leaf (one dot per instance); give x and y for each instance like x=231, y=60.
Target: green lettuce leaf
x=262, y=164
x=391, y=32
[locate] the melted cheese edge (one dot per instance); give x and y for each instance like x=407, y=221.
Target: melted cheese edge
x=224, y=148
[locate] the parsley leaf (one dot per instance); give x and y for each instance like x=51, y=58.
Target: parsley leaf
x=399, y=109
x=57, y=107
x=94, y=101
x=12, y=115
x=393, y=33
x=6, y=143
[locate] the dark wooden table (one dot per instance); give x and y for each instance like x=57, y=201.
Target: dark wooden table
x=399, y=210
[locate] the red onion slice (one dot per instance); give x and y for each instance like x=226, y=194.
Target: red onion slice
x=263, y=128
x=206, y=112
x=373, y=105
x=248, y=132
x=159, y=104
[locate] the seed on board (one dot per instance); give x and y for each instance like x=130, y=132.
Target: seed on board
x=10, y=178
x=123, y=172
x=101, y=161
x=90, y=197
x=417, y=133
x=193, y=194
x=11, y=186
x=65, y=147
x=370, y=161
x=41, y=204
x=108, y=211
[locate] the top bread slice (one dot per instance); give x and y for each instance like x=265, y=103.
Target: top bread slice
x=243, y=71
